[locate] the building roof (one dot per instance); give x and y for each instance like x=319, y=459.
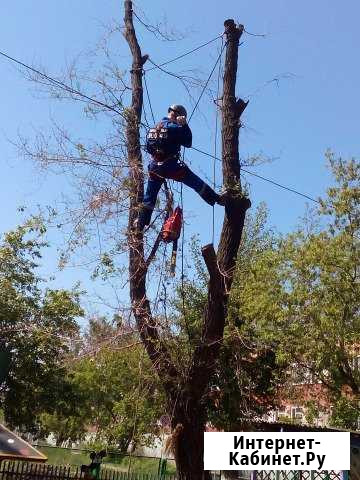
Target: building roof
x=292, y=427
x=14, y=448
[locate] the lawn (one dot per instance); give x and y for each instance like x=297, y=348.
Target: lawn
x=67, y=456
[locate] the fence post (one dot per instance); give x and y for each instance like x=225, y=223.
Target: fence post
x=345, y=475
x=162, y=467
x=253, y=474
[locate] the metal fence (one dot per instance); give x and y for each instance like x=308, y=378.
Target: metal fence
x=298, y=475
x=15, y=470
x=10, y=470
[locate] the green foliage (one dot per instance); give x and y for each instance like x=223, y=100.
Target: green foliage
x=312, y=412
x=36, y=326
x=345, y=414
x=244, y=385
x=123, y=397
x=302, y=294
x=118, y=395
x=248, y=372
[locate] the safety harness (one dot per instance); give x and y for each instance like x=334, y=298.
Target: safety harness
x=157, y=142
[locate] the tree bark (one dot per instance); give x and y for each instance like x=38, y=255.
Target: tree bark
x=146, y=324
x=221, y=266
x=186, y=396
x=190, y=402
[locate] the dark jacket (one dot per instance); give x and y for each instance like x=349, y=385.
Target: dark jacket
x=178, y=136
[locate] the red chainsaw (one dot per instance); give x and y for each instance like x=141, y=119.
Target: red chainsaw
x=171, y=233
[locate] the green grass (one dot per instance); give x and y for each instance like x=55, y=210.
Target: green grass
x=143, y=465
x=65, y=456
x=139, y=465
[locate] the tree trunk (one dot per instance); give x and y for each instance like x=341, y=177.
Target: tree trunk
x=146, y=324
x=189, y=419
x=188, y=425
x=186, y=396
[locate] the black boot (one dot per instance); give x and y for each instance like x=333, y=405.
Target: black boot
x=144, y=218
x=209, y=195
x=223, y=199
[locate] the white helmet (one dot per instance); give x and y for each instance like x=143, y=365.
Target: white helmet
x=179, y=109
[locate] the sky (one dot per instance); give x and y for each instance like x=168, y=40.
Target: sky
x=301, y=78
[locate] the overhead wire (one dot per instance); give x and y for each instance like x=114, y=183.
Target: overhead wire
x=119, y=112
x=68, y=88
x=208, y=80
x=184, y=54
x=284, y=187
x=60, y=84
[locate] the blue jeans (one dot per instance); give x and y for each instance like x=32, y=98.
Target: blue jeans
x=175, y=170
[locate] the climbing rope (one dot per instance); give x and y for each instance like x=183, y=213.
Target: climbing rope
x=183, y=157
x=208, y=80
x=215, y=141
x=181, y=188
x=182, y=253
x=148, y=97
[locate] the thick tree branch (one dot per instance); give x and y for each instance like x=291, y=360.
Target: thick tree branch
x=210, y=260
x=137, y=265
x=206, y=354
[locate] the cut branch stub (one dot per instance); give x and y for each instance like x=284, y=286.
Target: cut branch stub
x=210, y=259
x=231, y=27
x=240, y=106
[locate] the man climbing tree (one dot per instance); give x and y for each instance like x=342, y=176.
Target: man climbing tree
x=186, y=389
x=164, y=143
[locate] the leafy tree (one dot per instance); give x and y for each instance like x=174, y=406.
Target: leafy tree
x=124, y=402
x=119, y=400
x=245, y=381
x=36, y=326
x=345, y=413
x=304, y=294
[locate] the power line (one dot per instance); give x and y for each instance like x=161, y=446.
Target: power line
x=66, y=87
x=108, y=107
x=60, y=84
x=207, y=81
x=184, y=54
x=284, y=187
